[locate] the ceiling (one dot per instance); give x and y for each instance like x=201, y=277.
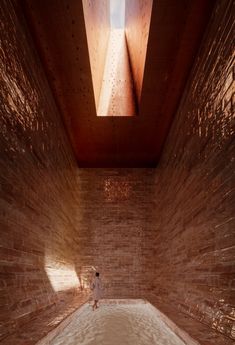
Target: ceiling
x=175, y=35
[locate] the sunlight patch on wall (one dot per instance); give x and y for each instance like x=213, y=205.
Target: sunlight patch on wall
x=62, y=275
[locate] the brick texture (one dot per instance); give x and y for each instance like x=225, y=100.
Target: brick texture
x=194, y=238
x=116, y=207
x=38, y=237
x=164, y=234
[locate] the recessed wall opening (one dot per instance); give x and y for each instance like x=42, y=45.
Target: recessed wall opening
x=117, y=40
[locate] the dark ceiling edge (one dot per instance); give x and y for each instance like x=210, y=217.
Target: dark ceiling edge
x=201, y=39
x=152, y=165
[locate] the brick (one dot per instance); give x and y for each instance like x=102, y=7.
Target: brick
x=163, y=234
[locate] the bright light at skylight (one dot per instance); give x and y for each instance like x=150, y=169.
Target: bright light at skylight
x=117, y=14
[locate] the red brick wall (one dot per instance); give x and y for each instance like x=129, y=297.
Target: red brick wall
x=116, y=207
x=168, y=234
x=194, y=238
x=165, y=234
x=37, y=180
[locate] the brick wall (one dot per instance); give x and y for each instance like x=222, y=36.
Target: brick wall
x=165, y=234
x=116, y=206
x=38, y=233
x=194, y=237
x=168, y=234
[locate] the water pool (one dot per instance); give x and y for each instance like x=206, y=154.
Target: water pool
x=113, y=323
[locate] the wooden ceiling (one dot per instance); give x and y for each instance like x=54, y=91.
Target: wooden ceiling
x=175, y=35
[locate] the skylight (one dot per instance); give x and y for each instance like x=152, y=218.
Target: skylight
x=117, y=14
x=117, y=36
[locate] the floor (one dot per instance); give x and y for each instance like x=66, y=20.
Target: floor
x=117, y=324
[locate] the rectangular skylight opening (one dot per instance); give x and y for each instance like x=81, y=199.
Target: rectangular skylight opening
x=117, y=14
x=117, y=36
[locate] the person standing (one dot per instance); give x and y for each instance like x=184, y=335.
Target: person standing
x=96, y=287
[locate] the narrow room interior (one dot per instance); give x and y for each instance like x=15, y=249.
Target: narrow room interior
x=117, y=157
